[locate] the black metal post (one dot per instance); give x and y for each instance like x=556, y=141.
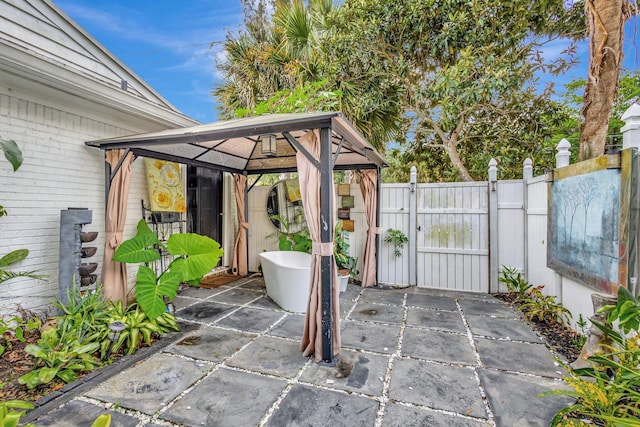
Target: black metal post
x=107, y=183
x=326, y=235
x=246, y=217
x=377, y=224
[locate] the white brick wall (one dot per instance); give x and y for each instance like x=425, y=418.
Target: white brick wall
x=58, y=172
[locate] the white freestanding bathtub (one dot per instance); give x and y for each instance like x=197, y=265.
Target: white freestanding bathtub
x=287, y=275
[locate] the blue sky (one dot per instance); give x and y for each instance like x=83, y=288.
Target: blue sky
x=167, y=43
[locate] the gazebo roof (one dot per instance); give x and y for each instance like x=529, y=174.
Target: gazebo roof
x=235, y=145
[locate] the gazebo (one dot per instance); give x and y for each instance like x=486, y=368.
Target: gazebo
x=314, y=144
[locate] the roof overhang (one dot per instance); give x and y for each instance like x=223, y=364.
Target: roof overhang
x=235, y=145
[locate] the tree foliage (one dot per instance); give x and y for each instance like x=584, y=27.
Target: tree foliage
x=464, y=71
x=450, y=82
x=284, y=68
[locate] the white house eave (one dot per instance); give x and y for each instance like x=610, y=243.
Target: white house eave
x=104, y=55
x=59, y=77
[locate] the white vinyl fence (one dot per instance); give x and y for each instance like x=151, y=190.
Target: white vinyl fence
x=453, y=233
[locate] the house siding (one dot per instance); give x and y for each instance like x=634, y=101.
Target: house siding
x=58, y=172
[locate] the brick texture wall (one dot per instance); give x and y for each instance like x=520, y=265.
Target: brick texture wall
x=58, y=172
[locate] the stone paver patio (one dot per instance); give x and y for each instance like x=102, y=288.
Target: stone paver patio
x=411, y=357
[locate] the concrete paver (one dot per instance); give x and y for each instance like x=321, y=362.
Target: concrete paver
x=275, y=356
x=226, y=398
x=397, y=415
x=437, y=345
x=410, y=357
x=390, y=314
x=510, y=329
x=435, y=319
x=437, y=386
x=311, y=406
x=357, y=372
x=250, y=319
x=505, y=392
x=518, y=357
x=149, y=386
x=369, y=336
x=211, y=343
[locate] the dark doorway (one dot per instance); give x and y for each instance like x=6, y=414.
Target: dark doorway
x=204, y=202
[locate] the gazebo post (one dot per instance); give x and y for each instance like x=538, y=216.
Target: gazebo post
x=377, y=225
x=326, y=235
x=246, y=216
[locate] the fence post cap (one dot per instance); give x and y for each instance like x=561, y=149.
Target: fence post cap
x=632, y=115
x=563, y=145
x=528, y=162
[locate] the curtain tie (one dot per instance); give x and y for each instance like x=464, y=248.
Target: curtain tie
x=376, y=230
x=322, y=249
x=114, y=239
x=244, y=225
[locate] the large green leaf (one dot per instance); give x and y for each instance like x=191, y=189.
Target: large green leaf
x=201, y=254
x=35, y=351
x=103, y=420
x=11, y=152
x=138, y=249
x=67, y=376
x=37, y=377
x=150, y=291
x=18, y=404
x=13, y=257
x=168, y=284
x=143, y=228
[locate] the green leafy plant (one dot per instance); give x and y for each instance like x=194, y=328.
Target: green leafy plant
x=194, y=256
x=344, y=261
x=58, y=356
x=16, y=327
x=103, y=420
x=139, y=328
x=626, y=311
x=14, y=156
x=13, y=258
x=11, y=152
x=11, y=418
x=300, y=241
x=514, y=281
x=85, y=317
x=608, y=392
x=544, y=308
x=397, y=238
x=581, y=338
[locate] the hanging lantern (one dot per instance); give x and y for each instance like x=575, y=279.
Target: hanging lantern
x=269, y=144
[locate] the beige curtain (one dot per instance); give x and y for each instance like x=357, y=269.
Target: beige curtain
x=368, y=187
x=114, y=274
x=309, y=177
x=239, y=264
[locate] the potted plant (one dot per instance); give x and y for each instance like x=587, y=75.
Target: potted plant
x=345, y=262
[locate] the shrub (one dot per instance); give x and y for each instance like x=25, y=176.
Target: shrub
x=194, y=256
x=608, y=392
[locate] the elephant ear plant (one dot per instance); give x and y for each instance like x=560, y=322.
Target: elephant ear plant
x=194, y=256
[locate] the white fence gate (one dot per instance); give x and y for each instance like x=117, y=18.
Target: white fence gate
x=452, y=244
x=460, y=234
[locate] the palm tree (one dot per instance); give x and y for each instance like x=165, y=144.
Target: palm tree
x=295, y=52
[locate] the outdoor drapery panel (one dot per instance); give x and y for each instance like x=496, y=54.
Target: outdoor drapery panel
x=309, y=177
x=114, y=274
x=368, y=187
x=239, y=264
